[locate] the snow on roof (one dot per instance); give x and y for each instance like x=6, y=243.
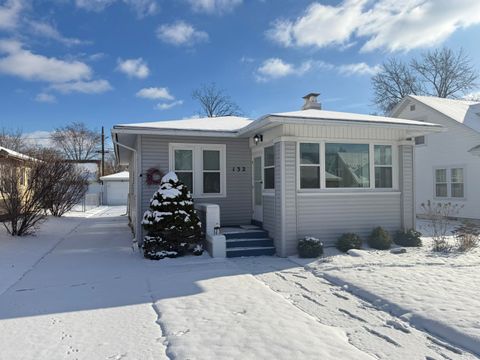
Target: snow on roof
x=464, y=111
x=15, y=154
x=122, y=175
x=336, y=115
x=220, y=123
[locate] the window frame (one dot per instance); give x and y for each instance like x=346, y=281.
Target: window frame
x=323, y=188
x=381, y=166
x=265, y=167
x=319, y=165
x=197, y=167
x=449, y=182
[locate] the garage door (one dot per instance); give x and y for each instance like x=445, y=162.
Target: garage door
x=117, y=192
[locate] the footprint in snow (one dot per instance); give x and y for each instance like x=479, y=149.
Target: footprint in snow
x=243, y=312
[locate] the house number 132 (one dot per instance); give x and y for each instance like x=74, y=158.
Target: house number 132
x=239, y=169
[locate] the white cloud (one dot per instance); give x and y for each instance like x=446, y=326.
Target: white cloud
x=166, y=106
x=29, y=66
x=85, y=87
x=49, y=31
x=9, y=14
x=155, y=93
x=39, y=137
x=359, y=69
x=395, y=25
x=133, y=67
x=275, y=68
x=181, y=33
x=214, y=6
x=45, y=98
x=141, y=7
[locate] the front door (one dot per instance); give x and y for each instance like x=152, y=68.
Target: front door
x=257, y=189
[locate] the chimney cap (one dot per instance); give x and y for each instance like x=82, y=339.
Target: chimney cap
x=308, y=96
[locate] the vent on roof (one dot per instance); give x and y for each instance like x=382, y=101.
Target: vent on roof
x=311, y=102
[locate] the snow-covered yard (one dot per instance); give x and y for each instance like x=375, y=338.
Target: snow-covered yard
x=79, y=291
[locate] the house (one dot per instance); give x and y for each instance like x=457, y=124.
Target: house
x=91, y=168
x=115, y=188
x=20, y=161
x=447, y=164
x=303, y=173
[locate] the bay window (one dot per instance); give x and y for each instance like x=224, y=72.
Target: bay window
x=309, y=166
x=201, y=167
x=347, y=165
x=383, y=166
x=269, y=168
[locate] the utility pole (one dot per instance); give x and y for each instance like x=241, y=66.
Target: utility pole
x=103, y=151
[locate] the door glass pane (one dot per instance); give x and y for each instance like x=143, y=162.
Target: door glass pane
x=269, y=156
x=383, y=155
x=257, y=168
x=309, y=154
x=347, y=165
x=310, y=177
x=269, y=178
x=211, y=183
x=258, y=193
x=211, y=160
x=383, y=177
x=183, y=159
x=187, y=179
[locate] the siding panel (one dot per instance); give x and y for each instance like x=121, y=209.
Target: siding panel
x=407, y=186
x=290, y=183
x=269, y=215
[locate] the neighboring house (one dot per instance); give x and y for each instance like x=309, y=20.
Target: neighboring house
x=20, y=161
x=115, y=188
x=302, y=173
x=94, y=196
x=447, y=164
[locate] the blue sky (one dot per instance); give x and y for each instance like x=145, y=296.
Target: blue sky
x=106, y=62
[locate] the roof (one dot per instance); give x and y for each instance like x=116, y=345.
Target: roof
x=220, y=123
x=344, y=116
x=122, y=175
x=464, y=111
x=14, y=154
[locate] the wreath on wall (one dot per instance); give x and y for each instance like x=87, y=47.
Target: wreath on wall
x=154, y=176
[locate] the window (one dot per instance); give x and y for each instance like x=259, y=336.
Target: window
x=383, y=166
x=420, y=140
x=412, y=107
x=449, y=182
x=347, y=165
x=456, y=186
x=269, y=168
x=309, y=166
x=184, y=167
x=21, y=175
x=441, y=186
x=211, y=171
x=201, y=167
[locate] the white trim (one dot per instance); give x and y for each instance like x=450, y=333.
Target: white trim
x=448, y=170
x=197, y=166
x=329, y=193
x=138, y=197
x=283, y=238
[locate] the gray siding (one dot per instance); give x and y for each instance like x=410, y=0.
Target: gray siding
x=406, y=167
x=290, y=184
x=236, y=207
x=327, y=216
x=269, y=217
x=278, y=236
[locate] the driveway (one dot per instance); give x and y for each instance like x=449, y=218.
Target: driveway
x=90, y=296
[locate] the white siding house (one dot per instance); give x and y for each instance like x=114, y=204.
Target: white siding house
x=310, y=172
x=447, y=164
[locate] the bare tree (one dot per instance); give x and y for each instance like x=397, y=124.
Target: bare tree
x=12, y=139
x=441, y=72
x=215, y=102
x=111, y=165
x=76, y=141
x=394, y=81
x=445, y=73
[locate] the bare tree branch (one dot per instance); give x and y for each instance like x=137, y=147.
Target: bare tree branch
x=76, y=141
x=215, y=102
x=12, y=140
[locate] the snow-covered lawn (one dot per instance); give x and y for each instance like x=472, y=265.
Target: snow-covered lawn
x=79, y=291
x=439, y=293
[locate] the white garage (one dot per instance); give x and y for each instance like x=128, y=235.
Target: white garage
x=115, y=188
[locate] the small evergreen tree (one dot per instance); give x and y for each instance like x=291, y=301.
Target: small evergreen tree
x=172, y=224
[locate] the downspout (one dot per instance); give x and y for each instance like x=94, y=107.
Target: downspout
x=137, y=198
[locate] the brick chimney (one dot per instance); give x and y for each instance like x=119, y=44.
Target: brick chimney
x=311, y=102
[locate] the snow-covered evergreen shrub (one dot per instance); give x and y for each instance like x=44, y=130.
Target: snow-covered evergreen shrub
x=380, y=239
x=310, y=247
x=349, y=241
x=410, y=238
x=172, y=224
